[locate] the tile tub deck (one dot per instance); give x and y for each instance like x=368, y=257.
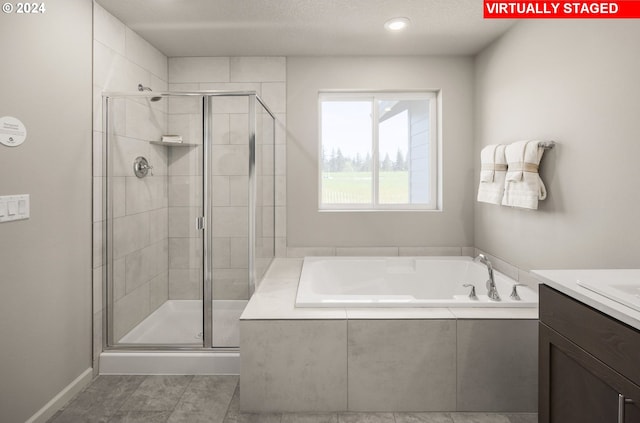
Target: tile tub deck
x=382, y=359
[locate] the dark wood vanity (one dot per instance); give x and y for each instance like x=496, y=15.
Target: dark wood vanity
x=589, y=364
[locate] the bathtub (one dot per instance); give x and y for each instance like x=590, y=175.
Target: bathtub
x=344, y=282
x=378, y=359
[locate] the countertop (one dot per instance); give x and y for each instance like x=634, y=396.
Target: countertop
x=565, y=281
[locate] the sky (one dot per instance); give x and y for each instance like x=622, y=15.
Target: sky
x=347, y=125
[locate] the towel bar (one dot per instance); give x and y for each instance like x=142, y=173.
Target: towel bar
x=547, y=144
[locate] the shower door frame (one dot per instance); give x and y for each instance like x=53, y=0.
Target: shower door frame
x=207, y=199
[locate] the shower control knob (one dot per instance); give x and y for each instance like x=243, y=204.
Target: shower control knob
x=141, y=167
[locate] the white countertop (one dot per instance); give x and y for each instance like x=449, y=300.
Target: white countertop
x=566, y=281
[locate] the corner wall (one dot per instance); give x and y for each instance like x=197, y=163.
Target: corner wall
x=575, y=82
x=45, y=262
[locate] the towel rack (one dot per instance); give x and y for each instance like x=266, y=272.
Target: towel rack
x=547, y=145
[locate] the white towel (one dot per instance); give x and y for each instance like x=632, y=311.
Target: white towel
x=492, y=174
x=523, y=186
x=172, y=138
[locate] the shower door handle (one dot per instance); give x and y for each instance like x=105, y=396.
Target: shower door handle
x=200, y=223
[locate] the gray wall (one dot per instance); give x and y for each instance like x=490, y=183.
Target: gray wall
x=575, y=82
x=45, y=262
x=306, y=226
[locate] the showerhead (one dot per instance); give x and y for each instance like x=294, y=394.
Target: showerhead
x=143, y=88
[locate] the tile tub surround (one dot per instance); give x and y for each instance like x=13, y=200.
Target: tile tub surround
x=400, y=360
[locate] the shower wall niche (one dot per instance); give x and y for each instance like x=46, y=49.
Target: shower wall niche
x=186, y=243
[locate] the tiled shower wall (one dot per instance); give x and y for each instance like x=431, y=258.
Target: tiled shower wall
x=266, y=76
x=122, y=60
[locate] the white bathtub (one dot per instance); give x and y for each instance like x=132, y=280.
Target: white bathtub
x=402, y=282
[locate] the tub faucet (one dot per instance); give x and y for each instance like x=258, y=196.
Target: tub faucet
x=492, y=291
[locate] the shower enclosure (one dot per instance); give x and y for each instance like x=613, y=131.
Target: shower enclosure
x=190, y=218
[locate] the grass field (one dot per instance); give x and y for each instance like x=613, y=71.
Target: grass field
x=355, y=187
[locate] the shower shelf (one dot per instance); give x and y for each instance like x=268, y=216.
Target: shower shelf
x=174, y=144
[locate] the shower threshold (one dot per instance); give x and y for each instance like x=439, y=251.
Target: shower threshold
x=179, y=323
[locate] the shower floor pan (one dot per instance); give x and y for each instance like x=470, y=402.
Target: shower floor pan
x=179, y=322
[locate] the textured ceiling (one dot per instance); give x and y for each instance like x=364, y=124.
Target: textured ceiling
x=307, y=27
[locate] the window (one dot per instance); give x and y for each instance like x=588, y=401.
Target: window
x=378, y=151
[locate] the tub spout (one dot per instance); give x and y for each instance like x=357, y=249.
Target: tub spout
x=492, y=291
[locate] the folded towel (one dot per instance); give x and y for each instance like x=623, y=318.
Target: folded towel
x=523, y=186
x=492, y=174
x=172, y=138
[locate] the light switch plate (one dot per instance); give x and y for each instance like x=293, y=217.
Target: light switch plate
x=14, y=207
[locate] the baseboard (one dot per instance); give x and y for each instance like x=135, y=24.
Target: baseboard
x=56, y=403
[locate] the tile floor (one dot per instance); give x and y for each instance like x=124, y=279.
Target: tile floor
x=215, y=399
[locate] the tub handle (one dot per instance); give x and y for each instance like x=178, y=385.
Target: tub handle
x=472, y=293
x=514, y=292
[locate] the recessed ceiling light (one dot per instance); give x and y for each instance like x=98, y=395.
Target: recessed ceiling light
x=397, y=24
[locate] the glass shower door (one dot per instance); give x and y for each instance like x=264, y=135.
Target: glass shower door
x=154, y=235
x=190, y=224
x=228, y=178
x=241, y=207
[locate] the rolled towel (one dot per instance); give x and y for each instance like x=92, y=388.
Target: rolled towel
x=492, y=174
x=523, y=185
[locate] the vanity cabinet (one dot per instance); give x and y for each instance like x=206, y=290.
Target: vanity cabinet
x=589, y=364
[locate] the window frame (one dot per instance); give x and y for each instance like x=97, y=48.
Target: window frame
x=434, y=150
